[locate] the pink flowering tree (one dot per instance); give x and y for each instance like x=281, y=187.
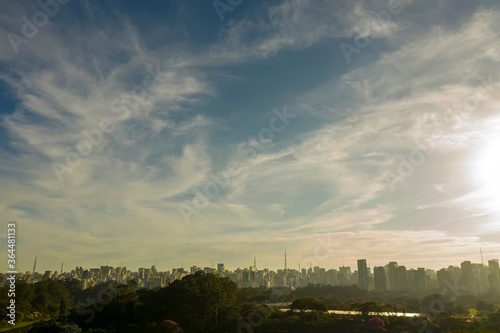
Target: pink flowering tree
x=171, y=326
x=376, y=325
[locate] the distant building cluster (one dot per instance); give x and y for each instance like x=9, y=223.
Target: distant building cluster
x=469, y=278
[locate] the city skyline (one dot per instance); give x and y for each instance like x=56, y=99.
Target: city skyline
x=260, y=264
x=468, y=278
x=219, y=131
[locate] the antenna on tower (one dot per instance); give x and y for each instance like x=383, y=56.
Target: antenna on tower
x=62, y=266
x=255, y=262
x=34, y=266
x=482, y=260
x=285, y=258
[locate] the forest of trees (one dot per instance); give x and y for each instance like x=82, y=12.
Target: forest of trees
x=210, y=303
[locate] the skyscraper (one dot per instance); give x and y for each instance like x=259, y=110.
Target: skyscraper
x=380, y=279
x=285, y=260
x=401, y=279
x=444, y=278
x=362, y=274
x=391, y=270
x=420, y=279
x=494, y=274
x=467, y=277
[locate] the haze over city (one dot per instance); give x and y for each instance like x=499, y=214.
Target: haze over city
x=190, y=132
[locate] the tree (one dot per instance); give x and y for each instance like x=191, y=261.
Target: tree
x=63, y=308
x=366, y=308
x=203, y=302
x=483, y=306
x=259, y=294
x=53, y=326
x=376, y=325
x=308, y=303
x=459, y=309
x=171, y=326
x=118, y=303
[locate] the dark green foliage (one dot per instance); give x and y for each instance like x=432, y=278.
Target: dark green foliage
x=53, y=326
x=258, y=295
x=484, y=306
x=203, y=301
x=458, y=309
x=210, y=303
x=46, y=297
x=317, y=290
x=366, y=307
x=199, y=303
x=309, y=303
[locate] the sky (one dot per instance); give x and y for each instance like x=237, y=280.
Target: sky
x=204, y=132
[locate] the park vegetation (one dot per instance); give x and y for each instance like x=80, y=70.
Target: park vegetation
x=211, y=303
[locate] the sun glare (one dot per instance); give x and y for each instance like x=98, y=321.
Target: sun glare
x=487, y=173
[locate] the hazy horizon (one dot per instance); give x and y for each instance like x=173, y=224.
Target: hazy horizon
x=162, y=267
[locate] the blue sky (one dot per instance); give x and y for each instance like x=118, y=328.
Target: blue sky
x=352, y=129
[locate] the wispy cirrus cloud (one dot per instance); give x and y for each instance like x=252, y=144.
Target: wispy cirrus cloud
x=298, y=24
